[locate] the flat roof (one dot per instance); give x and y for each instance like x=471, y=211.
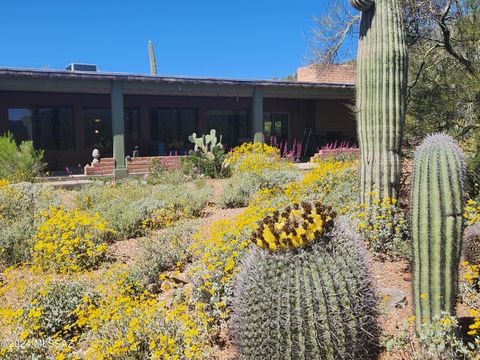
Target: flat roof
x=46, y=80
x=100, y=75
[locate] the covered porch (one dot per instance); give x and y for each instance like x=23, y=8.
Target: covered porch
x=70, y=113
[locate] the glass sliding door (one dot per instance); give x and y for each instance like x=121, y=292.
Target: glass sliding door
x=170, y=129
x=232, y=125
x=98, y=130
x=132, y=130
x=53, y=129
x=275, y=124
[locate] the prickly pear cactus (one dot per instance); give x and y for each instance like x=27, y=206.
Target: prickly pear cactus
x=207, y=144
x=304, y=291
x=382, y=67
x=471, y=240
x=437, y=203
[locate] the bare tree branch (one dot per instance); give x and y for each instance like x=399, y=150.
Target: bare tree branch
x=420, y=71
x=442, y=23
x=333, y=35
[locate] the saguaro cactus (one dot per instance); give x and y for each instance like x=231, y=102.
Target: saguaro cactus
x=305, y=291
x=436, y=224
x=381, y=96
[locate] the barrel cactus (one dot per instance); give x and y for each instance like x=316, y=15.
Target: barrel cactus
x=382, y=67
x=436, y=225
x=304, y=291
x=471, y=240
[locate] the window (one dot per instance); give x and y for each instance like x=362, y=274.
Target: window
x=170, y=129
x=232, y=125
x=98, y=131
x=20, y=123
x=276, y=125
x=50, y=128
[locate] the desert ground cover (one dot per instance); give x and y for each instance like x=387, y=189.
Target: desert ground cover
x=147, y=268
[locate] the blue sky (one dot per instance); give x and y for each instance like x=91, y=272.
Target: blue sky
x=241, y=39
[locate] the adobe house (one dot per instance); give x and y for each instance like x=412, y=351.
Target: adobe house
x=70, y=112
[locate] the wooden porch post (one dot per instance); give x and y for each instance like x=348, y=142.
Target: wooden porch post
x=257, y=114
x=118, y=131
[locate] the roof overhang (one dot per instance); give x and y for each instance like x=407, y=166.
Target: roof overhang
x=13, y=79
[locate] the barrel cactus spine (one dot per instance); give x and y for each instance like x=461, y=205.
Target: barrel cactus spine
x=310, y=295
x=382, y=67
x=437, y=202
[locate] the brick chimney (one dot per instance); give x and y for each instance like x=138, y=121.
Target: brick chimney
x=328, y=74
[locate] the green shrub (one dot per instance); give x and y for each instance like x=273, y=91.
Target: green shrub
x=163, y=251
x=19, y=163
x=51, y=310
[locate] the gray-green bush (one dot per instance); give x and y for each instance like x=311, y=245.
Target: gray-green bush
x=125, y=206
x=279, y=179
x=239, y=190
x=57, y=301
x=19, y=206
x=242, y=187
x=158, y=174
x=162, y=251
